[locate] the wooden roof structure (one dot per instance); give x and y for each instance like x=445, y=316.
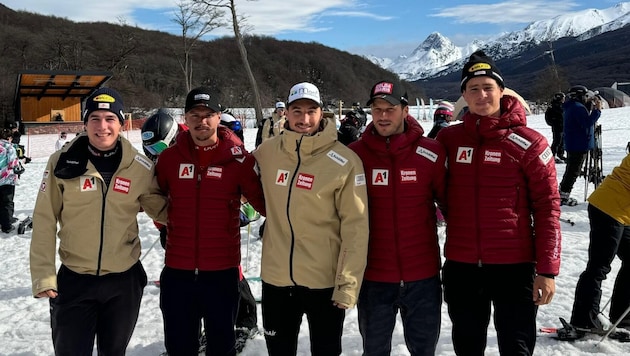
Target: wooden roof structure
x=63, y=84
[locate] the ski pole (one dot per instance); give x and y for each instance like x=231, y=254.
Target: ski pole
x=614, y=326
x=249, y=227
x=150, y=248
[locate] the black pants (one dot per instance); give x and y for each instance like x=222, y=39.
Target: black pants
x=247, y=315
x=7, y=192
x=470, y=290
x=187, y=297
x=106, y=306
x=608, y=238
x=557, y=144
x=282, y=311
x=574, y=163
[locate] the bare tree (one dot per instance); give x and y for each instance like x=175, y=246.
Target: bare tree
x=236, y=27
x=196, y=19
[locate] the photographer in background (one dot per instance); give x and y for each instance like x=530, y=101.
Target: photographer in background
x=554, y=118
x=581, y=112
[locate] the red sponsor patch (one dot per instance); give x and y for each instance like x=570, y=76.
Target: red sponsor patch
x=492, y=157
x=122, y=185
x=214, y=172
x=305, y=181
x=408, y=175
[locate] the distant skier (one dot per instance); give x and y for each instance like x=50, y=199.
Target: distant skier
x=352, y=126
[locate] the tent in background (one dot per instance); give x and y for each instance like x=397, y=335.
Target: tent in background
x=614, y=97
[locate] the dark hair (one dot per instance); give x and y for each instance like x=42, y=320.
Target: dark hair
x=5, y=134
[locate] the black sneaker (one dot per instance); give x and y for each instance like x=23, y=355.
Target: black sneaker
x=565, y=199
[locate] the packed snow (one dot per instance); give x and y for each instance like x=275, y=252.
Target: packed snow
x=25, y=321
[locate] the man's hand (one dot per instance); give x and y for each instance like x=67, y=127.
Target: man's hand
x=47, y=294
x=544, y=289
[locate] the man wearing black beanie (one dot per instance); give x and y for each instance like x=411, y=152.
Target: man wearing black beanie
x=89, y=198
x=502, y=192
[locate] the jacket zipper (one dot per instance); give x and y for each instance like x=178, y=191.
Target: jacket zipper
x=103, y=204
x=297, y=167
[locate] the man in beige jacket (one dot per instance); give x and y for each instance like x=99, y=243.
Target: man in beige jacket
x=315, y=243
x=89, y=197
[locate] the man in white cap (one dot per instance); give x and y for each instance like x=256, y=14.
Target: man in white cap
x=273, y=125
x=315, y=244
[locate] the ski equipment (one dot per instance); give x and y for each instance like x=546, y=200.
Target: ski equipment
x=593, y=168
x=26, y=223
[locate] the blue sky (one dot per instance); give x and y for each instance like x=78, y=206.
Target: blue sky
x=385, y=28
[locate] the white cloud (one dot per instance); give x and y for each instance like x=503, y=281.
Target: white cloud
x=506, y=12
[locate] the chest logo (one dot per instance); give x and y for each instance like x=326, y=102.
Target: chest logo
x=464, y=155
x=380, y=177
x=186, y=171
x=88, y=184
x=408, y=176
x=492, y=157
x=282, y=177
x=214, y=172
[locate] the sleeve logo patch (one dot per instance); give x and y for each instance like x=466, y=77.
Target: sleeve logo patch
x=186, y=171
x=408, y=175
x=122, y=185
x=492, y=157
x=236, y=151
x=430, y=155
x=380, y=177
x=464, y=155
x=359, y=180
x=546, y=156
x=339, y=159
x=282, y=177
x=87, y=184
x=144, y=161
x=520, y=141
x=305, y=181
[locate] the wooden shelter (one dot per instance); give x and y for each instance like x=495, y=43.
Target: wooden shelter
x=44, y=96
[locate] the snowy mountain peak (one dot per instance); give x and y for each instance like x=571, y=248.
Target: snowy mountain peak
x=437, y=54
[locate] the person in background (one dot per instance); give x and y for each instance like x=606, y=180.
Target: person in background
x=581, y=112
x=204, y=175
x=352, y=126
x=315, y=244
x=609, y=217
x=503, y=231
x=233, y=124
x=272, y=126
x=554, y=118
x=62, y=140
x=407, y=175
x=8, y=164
x=89, y=198
x=442, y=116
x=159, y=132
x=16, y=136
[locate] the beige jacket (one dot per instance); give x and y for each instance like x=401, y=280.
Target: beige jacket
x=316, y=234
x=273, y=127
x=98, y=230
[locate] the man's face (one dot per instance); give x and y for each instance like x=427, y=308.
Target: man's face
x=483, y=96
x=281, y=111
x=388, y=119
x=304, y=116
x=203, y=123
x=103, y=128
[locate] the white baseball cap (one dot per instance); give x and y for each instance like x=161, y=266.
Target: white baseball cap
x=280, y=105
x=304, y=91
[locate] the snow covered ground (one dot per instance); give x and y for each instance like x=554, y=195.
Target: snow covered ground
x=25, y=322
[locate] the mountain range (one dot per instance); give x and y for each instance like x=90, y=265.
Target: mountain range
x=438, y=56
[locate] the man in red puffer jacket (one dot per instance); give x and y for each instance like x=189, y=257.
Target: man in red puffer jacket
x=502, y=213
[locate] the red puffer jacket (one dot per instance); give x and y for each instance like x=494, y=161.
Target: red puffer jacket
x=503, y=203
x=406, y=174
x=204, y=202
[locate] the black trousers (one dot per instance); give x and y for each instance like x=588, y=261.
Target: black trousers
x=103, y=306
x=557, y=144
x=7, y=192
x=608, y=238
x=470, y=291
x=282, y=311
x=187, y=297
x=574, y=163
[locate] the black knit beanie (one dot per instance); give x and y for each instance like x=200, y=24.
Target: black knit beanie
x=480, y=65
